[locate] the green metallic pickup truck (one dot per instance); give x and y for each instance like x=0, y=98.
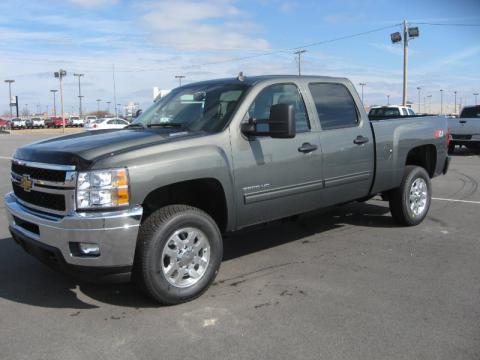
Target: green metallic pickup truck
x=150, y=202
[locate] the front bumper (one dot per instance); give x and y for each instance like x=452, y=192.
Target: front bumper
x=115, y=233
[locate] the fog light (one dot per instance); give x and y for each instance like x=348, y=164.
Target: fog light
x=89, y=249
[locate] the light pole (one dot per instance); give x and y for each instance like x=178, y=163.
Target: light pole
x=408, y=33
x=455, y=103
x=60, y=74
x=419, y=89
x=79, y=94
x=441, y=101
x=108, y=106
x=388, y=99
x=179, y=77
x=10, y=95
x=54, y=104
x=362, y=85
x=475, y=94
x=429, y=103
x=98, y=105
x=299, y=53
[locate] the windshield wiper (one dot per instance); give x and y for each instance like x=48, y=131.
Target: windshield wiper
x=135, y=125
x=172, y=125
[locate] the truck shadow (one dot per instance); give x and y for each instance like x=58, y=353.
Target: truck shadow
x=24, y=280
x=464, y=151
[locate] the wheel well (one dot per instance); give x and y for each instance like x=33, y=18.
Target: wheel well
x=424, y=156
x=206, y=194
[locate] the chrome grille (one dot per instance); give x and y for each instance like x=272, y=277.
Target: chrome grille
x=45, y=187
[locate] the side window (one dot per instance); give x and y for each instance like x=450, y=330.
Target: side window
x=279, y=94
x=335, y=106
x=404, y=112
x=110, y=122
x=410, y=112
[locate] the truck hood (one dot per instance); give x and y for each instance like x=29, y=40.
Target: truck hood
x=83, y=149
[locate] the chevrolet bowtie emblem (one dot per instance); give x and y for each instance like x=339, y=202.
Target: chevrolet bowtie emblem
x=26, y=183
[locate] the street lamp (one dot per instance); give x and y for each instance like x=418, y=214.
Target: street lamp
x=419, y=89
x=475, y=94
x=299, y=53
x=408, y=33
x=54, y=105
x=455, y=108
x=79, y=94
x=362, y=85
x=60, y=74
x=10, y=96
x=441, y=101
x=429, y=103
x=179, y=77
x=108, y=107
x=98, y=104
x=388, y=99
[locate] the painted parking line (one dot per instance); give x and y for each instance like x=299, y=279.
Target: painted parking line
x=457, y=200
x=5, y=158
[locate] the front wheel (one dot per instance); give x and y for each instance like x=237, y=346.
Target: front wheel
x=179, y=252
x=410, y=202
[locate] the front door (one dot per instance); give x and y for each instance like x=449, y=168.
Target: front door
x=275, y=178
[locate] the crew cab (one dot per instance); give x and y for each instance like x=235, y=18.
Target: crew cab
x=155, y=198
x=465, y=130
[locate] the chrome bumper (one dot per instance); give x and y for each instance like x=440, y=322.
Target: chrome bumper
x=115, y=232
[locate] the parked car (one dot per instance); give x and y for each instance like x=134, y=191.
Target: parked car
x=465, y=130
x=109, y=123
x=211, y=158
x=75, y=121
x=54, y=122
x=4, y=124
x=89, y=119
x=389, y=111
x=18, y=123
x=37, y=122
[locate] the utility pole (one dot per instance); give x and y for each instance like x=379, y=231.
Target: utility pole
x=455, y=108
x=10, y=95
x=475, y=94
x=419, y=107
x=79, y=94
x=299, y=54
x=441, y=101
x=388, y=99
x=362, y=85
x=60, y=74
x=179, y=77
x=54, y=105
x=114, y=91
x=98, y=104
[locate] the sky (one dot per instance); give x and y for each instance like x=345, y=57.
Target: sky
x=151, y=41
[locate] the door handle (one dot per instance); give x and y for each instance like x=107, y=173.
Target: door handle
x=359, y=140
x=307, y=147
x=462, y=121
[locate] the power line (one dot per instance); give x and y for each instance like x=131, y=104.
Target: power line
x=443, y=24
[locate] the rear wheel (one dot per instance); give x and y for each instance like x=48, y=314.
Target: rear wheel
x=410, y=202
x=178, y=255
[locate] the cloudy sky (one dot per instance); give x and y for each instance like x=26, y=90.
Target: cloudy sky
x=152, y=41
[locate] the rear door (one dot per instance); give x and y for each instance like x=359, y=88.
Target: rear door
x=346, y=140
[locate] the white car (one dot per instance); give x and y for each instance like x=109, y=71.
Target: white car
x=111, y=123
x=390, y=111
x=89, y=119
x=75, y=121
x=37, y=122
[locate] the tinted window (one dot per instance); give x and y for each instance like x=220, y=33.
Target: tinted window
x=410, y=112
x=471, y=112
x=384, y=111
x=279, y=94
x=335, y=106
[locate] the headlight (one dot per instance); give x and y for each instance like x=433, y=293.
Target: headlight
x=102, y=189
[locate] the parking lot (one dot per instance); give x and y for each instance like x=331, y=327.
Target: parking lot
x=345, y=283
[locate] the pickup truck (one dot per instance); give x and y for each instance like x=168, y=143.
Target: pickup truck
x=150, y=202
x=54, y=122
x=465, y=130
x=18, y=123
x=75, y=121
x=37, y=122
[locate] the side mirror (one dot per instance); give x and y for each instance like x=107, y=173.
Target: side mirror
x=138, y=113
x=281, y=124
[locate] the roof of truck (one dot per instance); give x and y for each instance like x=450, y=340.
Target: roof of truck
x=251, y=80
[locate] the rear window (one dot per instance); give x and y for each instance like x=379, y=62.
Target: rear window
x=386, y=111
x=471, y=112
x=335, y=106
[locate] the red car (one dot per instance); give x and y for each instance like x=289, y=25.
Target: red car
x=4, y=123
x=55, y=122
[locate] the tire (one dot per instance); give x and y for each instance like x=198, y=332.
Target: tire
x=400, y=204
x=451, y=148
x=158, y=237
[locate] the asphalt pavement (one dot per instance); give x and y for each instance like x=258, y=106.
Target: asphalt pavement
x=343, y=283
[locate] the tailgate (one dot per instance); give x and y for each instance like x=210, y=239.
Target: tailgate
x=464, y=126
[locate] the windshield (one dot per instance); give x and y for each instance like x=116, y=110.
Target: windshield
x=202, y=107
x=74, y=118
